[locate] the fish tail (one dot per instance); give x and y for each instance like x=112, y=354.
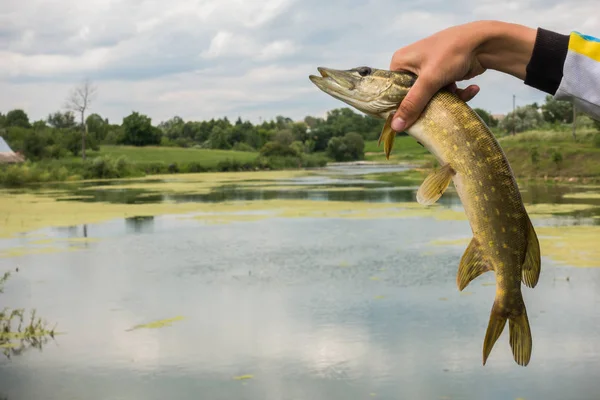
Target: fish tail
x=520, y=337
x=520, y=332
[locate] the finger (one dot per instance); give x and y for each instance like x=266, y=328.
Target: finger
x=413, y=104
x=452, y=87
x=468, y=93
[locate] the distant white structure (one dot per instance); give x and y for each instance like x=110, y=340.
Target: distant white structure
x=7, y=155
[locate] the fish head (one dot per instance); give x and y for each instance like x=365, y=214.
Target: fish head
x=376, y=92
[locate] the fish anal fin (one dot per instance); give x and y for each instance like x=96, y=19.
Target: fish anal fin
x=388, y=135
x=435, y=185
x=472, y=264
x=530, y=272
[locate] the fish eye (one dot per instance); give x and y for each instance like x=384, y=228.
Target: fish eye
x=364, y=71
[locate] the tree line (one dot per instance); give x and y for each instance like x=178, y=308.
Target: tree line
x=552, y=115
x=340, y=135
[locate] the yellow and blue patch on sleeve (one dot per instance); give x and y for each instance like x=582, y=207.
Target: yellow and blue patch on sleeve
x=581, y=74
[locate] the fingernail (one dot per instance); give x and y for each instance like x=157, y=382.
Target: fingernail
x=398, y=124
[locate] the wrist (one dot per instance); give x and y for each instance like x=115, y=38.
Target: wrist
x=505, y=47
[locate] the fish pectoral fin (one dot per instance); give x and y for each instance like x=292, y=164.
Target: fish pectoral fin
x=530, y=271
x=435, y=185
x=472, y=264
x=388, y=136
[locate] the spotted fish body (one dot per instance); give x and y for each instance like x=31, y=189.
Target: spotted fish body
x=504, y=240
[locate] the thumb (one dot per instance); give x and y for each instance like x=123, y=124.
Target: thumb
x=413, y=104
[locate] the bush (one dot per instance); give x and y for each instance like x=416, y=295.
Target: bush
x=277, y=149
x=348, y=148
x=194, y=167
x=596, y=140
x=241, y=146
x=106, y=168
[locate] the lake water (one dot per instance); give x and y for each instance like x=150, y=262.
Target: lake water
x=308, y=306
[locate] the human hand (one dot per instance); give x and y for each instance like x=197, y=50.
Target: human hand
x=439, y=61
x=456, y=54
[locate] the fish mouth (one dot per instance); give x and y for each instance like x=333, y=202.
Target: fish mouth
x=332, y=79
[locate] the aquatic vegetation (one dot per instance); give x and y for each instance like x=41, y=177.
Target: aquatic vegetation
x=157, y=324
x=462, y=241
x=232, y=211
x=24, y=250
x=571, y=245
x=575, y=246
x=243, y=377
x=47, y=246
x=547, y=209
x=27, y=334
x=582, y=195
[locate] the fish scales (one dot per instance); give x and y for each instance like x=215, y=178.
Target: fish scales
x=504, y=240
x=485, y=185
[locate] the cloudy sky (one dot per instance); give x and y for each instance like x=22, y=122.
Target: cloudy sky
x=211, y=58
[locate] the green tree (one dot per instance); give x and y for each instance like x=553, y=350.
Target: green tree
x=62, y=120
x=522, y=119
x=486, y=117
x=172, y=128
x=219, y=138
x=39, y=125
x=97, y=127
x=285, y=137
x=138, y=130
x=347, y=148
x=278, y=149
x=560, y=111
x=17, y=118
x=299, y=130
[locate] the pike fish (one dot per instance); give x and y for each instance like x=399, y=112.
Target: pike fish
x=504, y=240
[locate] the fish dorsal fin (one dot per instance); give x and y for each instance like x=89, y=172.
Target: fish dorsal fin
x=435, y=185
x=471, y=265
x=530, y=272
x=388, y=135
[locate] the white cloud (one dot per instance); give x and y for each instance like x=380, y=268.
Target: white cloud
x=208, y=58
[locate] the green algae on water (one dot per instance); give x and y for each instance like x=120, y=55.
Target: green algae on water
x=243, y=377
x=583, y=195
x=157, y=324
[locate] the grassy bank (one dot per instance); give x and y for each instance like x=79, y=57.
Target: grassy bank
x=149, y=154
x=554, y=155
x=130, y=161
x=550, y=155
x=406, y=149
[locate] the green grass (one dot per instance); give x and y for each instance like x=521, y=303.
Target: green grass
x=406, y=149
x=532, y=155
x=208, y=158
x=412, y=177
x=128, y=161
x=539, y=154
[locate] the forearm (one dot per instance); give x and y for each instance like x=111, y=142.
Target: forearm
x=565, y=66
x=505, y=47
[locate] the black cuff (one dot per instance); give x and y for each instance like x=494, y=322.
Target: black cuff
x=545, y=68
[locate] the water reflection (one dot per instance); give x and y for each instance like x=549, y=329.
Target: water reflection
x=139, y=224
x=309, y=320
x=311, y=308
